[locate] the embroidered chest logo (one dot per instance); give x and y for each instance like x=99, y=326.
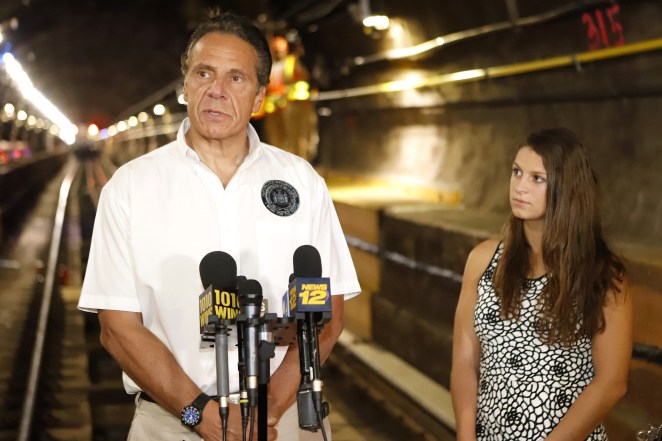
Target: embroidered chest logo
x=280, y=198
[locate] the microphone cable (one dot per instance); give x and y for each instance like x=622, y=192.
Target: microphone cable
x=252, y=412
x=224, y=411
x=321, y=422
x=315, y=368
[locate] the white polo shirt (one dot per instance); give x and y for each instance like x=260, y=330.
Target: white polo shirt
x=161, y=213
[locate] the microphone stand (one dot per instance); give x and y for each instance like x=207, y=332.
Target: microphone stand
x=220, y=329
x=243, y=390
x=321, y=409
x=305, y=408
x=312, y=410
x=266, y=351
x=250, y=301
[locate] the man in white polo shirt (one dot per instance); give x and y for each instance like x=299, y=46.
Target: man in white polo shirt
x=216, y=187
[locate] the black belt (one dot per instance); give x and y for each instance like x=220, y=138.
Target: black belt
x=144, y=396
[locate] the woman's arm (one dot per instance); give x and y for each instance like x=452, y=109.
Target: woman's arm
x=466, y=347
x=612, y=351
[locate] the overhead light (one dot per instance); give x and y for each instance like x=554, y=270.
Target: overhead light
x=92, y=130
x=374, y=15
x=379, y=22
x=30, y=93
x=159, y=109
x=9, y=109
x=406, y=52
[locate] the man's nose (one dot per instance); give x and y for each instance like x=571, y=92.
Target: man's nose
x=216, y=89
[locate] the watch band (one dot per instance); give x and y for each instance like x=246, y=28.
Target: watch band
x=201, y=401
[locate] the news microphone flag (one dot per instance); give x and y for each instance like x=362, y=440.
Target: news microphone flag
x=308, y=294
x=223, y=304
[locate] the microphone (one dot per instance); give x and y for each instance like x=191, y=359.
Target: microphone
x=309, y=302
x=307, y=262
x=218, y=268
x=241, y=367
x=218, y=271
x=308, y=291
x=250, y=304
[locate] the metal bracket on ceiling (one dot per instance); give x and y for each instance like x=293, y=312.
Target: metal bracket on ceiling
x=576, y=63
x=513, y=13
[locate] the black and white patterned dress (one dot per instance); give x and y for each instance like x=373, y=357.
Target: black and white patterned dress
x=525, y=386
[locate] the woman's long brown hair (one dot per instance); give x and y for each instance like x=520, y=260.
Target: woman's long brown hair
x=580, y=267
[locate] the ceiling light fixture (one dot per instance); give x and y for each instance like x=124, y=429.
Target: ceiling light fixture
x=374, y=15
x=66, y=130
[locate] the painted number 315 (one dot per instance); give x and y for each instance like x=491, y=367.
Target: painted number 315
x=317, y=297
x=599, y=34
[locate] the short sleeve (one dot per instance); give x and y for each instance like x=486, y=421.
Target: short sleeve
x=109, y=278
x=332, y=245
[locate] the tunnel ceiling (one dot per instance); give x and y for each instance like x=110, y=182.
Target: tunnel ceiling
x=96, y=59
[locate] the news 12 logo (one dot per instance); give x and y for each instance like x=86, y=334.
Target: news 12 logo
x=310, y=295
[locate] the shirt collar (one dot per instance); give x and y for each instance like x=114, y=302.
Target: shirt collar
x=254, y=144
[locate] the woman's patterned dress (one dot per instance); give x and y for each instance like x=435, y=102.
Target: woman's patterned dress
x=525, y=386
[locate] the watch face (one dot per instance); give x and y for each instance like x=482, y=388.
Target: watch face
x=190, y=416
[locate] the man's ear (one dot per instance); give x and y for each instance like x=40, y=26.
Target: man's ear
x=259, y=97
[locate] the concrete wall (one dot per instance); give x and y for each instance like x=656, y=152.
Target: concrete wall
x=461, y=137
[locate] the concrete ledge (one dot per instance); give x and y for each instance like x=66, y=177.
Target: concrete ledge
x=424, y=392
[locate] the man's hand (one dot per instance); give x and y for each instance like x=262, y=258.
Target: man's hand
x=210, y=428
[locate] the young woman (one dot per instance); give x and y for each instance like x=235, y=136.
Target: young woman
x=543, y=328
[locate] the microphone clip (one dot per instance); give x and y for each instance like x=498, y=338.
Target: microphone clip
x=309, y=417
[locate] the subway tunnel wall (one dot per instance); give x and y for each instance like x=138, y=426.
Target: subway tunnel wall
x=460, y=138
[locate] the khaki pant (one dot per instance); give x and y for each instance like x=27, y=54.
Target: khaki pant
x=152, y=423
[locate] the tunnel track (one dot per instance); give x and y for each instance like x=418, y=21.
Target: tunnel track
x=44, y=376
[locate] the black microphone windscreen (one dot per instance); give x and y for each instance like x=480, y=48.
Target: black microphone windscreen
x=249, y=293
x=249, y=286
x=307, y=262
x=219, y=269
